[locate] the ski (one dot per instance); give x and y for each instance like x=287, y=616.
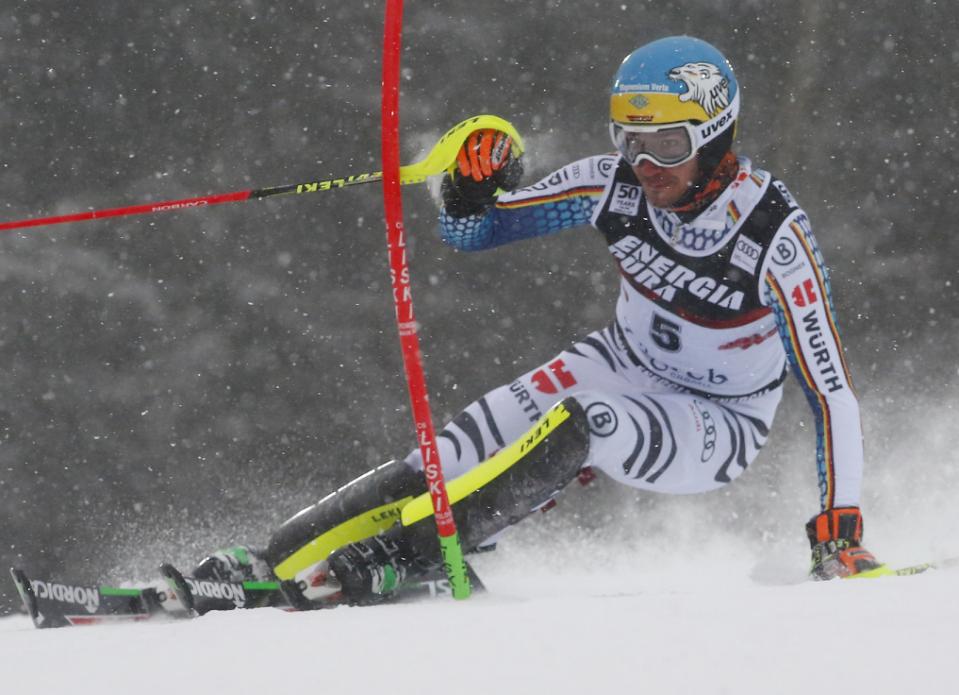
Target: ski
x=56, y=603
x=200, y=596
x=884, y=570
x=907, y=571
x=51, y=603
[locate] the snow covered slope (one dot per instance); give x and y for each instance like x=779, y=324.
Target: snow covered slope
x=627, y=630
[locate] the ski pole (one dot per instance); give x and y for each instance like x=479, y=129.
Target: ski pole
x=450, y=547
x=439, y=159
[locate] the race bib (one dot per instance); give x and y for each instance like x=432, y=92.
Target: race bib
x=625, y=200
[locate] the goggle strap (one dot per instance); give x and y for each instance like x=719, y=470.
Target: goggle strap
x=714, y=127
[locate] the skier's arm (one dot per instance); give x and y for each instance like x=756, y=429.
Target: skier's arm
x=797, y=287
x=566, y=198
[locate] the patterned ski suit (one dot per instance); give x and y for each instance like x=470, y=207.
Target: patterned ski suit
x=681, y=388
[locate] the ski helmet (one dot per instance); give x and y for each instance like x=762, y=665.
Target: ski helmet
x=671, y=99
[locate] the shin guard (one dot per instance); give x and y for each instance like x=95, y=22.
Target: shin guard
x=365, y=507
x=506, y=488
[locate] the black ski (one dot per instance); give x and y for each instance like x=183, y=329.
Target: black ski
x=205, y=595
x=54, y=603
x=58, y=604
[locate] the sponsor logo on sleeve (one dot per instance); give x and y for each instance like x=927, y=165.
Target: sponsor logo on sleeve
x=784, y=251
x=787, y=196
x=819, y=353
x=805, y=293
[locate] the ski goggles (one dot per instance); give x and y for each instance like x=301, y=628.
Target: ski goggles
x=667, y=146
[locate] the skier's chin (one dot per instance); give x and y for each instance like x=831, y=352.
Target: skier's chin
x=663, y=194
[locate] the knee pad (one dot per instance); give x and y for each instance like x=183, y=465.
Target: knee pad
x=365, y=507
x=511, y=484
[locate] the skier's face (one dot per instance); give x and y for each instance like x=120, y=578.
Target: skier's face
x=664, y=186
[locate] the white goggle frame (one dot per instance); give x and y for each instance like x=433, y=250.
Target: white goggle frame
x=697, y=135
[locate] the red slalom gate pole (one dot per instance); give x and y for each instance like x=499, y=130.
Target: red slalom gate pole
x=403, y=299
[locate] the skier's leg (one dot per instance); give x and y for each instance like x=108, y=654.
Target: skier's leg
x=639, y=434
x=502, y=415
x=367, y=505
x=485, y=427
x=372, y=503
x=496, y=494
x=668, y=442
x=675, y=442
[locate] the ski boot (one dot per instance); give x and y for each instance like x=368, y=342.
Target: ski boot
x=371, y=571
x=236, y=565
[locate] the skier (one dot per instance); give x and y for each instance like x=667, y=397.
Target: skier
x=721, y=286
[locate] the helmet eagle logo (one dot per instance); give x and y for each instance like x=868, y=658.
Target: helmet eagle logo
x=705, y=85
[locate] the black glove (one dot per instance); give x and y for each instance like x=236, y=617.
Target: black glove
x=484, y=164
x=835, y=536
